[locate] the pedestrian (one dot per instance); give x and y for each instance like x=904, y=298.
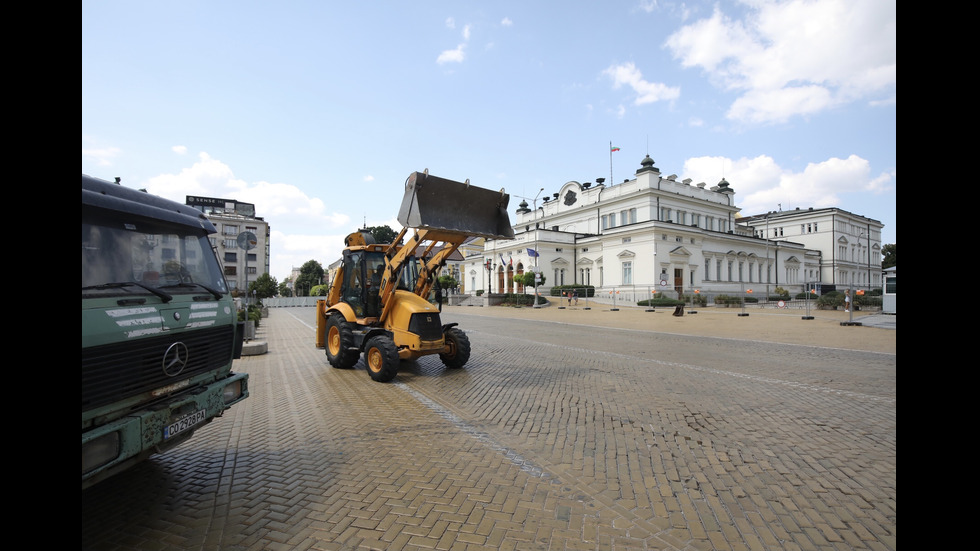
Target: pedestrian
x=575, y=295
x=847, y=300
x=439, y=295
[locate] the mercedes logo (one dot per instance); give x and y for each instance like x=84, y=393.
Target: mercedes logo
x=175, y=359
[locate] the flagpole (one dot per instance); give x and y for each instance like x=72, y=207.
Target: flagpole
x=611, y=181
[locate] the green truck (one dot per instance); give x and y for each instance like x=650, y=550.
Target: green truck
x=160, y=328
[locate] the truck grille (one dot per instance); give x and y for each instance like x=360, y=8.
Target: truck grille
x=118, y=371
x=428, y=326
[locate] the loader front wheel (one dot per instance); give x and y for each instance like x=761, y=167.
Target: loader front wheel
x=459, y=349
x=340, y=342
x=381, y=358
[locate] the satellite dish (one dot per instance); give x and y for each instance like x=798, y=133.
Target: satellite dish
x=247, y=240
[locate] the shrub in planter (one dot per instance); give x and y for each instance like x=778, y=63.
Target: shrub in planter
x=254, y=313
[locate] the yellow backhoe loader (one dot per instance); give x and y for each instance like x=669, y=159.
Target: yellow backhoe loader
x=378, y=298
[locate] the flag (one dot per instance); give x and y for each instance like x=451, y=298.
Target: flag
x=532, y=253
x=502, y=263
x=611, y=149
x=512, y=261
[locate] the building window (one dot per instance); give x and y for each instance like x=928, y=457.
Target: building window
x=632, y=216
x=627, y=239
x=627, y=273
x=230, y=230
x=231, y=257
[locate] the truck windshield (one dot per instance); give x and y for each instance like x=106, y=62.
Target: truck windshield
x=133, y=258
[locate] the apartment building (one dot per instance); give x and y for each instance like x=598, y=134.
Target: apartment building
x=242, y=241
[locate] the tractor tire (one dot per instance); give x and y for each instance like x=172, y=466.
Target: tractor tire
x=340, y=342
x=459, y=349
x=381, y=358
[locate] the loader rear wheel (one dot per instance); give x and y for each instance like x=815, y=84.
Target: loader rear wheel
x=459, y=349
x=340, y=342
x=381, y=358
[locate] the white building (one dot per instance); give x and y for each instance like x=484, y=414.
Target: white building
x=654, y=234
x=850, y=244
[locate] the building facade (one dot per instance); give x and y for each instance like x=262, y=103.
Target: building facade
x=850, y=244
x=653, y=234
x=242, y=241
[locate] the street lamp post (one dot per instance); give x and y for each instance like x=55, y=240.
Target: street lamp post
x=767, y=255
x=536, y=253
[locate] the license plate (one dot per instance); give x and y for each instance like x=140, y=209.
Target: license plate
x=183, y=424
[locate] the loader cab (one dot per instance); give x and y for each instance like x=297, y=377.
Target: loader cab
x=363, y=272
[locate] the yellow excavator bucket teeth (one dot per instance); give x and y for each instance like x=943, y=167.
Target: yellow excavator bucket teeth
x=453, y=207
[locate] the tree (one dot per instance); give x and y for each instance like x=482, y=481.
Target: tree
x=447, y=282
x=264, y=286
x=284, y=290
x=888, y=256
x=527, y=279
x=382, y=234
x=310, y=275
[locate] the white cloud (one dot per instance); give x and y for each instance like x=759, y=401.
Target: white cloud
x=286, y=208
x=646, y=92
x=179, y=149
x=452, y=56
x=761, y=185
x=506, y=22
x=796, y=57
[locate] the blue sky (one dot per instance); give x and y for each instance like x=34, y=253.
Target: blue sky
x=317, y=111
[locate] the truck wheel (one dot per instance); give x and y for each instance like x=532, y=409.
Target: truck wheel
x=340, y=342
x=459, y=349
x=381, y=358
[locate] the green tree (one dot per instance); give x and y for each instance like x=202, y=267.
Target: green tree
x=888, y=256
x=264, y=286
x=284, y=290
x=447, y=282
x=382, y=234
x=527, y=279
x=310, y=275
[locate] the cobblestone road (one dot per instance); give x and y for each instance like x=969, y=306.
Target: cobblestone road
x=553, y=437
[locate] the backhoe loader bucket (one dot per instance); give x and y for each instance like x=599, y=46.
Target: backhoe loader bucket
x=436, y=203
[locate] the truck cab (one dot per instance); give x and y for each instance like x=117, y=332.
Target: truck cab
x=160, y=328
